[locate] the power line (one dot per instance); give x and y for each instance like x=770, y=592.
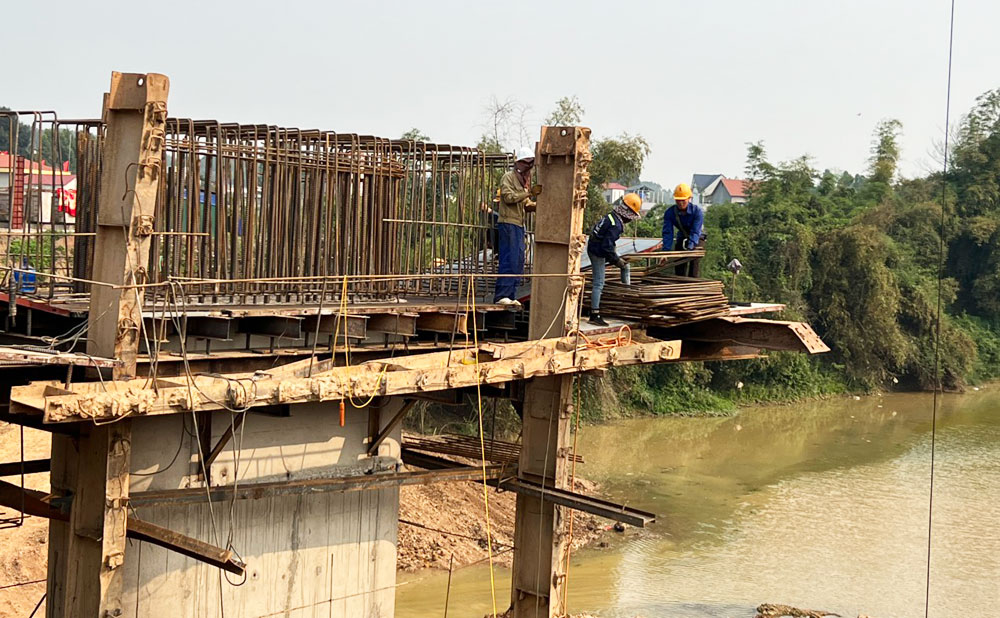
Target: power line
x=937, y=325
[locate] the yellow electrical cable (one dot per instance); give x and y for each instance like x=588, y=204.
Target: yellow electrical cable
x=347, y=353
x=482, y=439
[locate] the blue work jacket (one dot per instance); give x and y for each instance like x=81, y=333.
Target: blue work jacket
x=604, y=237
x=690, y=223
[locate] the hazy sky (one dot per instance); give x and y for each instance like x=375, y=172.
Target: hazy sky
x=697, y=79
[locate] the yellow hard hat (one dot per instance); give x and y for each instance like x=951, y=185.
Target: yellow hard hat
x=682, y=192
x=633, y=201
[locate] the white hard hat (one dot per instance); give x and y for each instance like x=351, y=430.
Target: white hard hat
x=525, y=153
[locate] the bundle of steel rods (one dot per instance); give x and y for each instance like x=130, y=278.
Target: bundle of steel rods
x=257, y=214
x=656, y=297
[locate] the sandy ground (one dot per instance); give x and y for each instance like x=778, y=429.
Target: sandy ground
x=455, y=512
x=23, y=549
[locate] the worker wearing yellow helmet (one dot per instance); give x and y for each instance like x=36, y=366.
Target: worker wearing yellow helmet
x=689, y=219
x=601, y=249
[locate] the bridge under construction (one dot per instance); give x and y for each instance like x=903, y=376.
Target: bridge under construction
x=223, y=326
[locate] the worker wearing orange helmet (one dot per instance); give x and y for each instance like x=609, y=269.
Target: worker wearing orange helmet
x=601, y=249
x=689, y=219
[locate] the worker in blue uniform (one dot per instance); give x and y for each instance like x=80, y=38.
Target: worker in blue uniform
x=689, y=219
x=601, y=249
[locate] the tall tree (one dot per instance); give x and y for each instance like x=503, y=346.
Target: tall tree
x=616, y=159
x=568, y=112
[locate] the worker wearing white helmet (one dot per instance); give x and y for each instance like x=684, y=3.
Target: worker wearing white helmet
x=516, y=192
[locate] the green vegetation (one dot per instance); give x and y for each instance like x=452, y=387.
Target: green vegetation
x=856, y=256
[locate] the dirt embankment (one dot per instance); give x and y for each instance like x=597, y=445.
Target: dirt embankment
x=449, y=519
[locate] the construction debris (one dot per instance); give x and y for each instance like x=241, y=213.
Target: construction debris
x=775, y=610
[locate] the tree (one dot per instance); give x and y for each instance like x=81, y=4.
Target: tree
x=855, y=295
x=884, y=151
x=568, y=112
x=615, y=159
x=506, y=123
x=975, y=168
x=618, y=159
x=414, y=135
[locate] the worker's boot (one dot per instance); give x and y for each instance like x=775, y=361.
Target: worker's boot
x=597, y=320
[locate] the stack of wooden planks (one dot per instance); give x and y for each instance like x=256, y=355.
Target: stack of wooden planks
x=656, y=297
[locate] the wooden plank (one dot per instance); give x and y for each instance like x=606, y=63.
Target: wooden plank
x=30, y=356
x=414, y=374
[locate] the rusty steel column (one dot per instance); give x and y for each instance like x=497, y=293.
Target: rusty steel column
x=85, y=554
x=539, y=574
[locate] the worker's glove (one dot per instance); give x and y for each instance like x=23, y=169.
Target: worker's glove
x=620, y=263
x=536, y=190
x=689, y=245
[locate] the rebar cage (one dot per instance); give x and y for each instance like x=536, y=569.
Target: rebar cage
x=258, y=214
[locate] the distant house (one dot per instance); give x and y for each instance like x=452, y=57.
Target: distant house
x=613, y=192
x=724, y=191
x=39, y=189
x=651, y=194
x=701, y=182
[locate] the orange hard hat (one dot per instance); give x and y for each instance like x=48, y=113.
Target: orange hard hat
x=633, y=201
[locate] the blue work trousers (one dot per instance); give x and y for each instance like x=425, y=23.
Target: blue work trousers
x=510, y=239
x=598, y=264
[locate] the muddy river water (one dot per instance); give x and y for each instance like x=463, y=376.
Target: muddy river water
x=822, y=505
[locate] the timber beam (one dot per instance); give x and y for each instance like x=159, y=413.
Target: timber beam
x=30, y=466
x=37, y=504
x=401, y=376
x=361, y=482
x=577, y=501
x=388, y=429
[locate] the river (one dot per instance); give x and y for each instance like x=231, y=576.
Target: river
x=822, y=505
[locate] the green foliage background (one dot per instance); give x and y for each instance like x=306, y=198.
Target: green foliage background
x=857, y=256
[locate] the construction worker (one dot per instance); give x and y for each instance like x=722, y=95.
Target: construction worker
x=689, y=219
x=516, y=192
x=601, y=249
